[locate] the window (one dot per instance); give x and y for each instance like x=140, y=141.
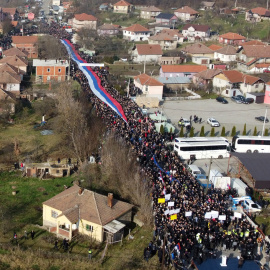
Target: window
x=54, y=214
x=48, y=69
x=59, y=69
x=89, y=228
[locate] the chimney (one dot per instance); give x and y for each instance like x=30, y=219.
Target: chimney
x=110, y=200
x=80, y=191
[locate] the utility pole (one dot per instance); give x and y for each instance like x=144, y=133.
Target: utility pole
x=208, y=175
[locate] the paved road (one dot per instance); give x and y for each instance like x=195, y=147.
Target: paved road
x=229, y=115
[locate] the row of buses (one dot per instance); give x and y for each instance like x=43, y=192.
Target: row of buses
x=219, y=147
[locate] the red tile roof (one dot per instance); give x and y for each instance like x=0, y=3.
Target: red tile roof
x=235, y=76
x=260, y=11
x=232, y=36
x=149, y=49
x=24, y=39
x=122, y=3
x=214, y=47
x=85, y=17
x=136, y=28
x=93, y=206
x=254, y=42
x=145, y=79
x=187, y=9
x=182, y=68
x=257, y=51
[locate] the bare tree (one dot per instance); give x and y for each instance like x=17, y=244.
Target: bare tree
x=80, y=127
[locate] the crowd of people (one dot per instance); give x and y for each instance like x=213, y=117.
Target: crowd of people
x=181, y=232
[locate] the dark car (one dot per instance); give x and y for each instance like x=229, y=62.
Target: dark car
x=261, y=118
x=236, y=99
x=222, y=100
x=242, y=98
x=248, y=100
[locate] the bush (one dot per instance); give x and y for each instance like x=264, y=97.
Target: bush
x=233, y=133
x=223, y=132
x=181, y=132
x=255, y=132
x=212, y=134
x=191, y=134
x=245, y=130
x=202, y=134
x=266, y=132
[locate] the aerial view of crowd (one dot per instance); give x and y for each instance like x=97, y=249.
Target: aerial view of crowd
x=182, y=233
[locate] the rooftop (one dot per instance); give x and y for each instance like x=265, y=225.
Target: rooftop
x=92, y=206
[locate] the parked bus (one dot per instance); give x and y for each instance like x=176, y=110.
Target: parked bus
x=202, y=147
x=251, y=144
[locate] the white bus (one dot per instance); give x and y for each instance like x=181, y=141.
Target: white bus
x=202, y=147
x=251, y=144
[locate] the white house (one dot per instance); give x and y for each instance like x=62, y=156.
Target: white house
x=136, y=32
x=196, y=30
x=146, y=53
x=186, y=13
x=149, y=86
x=233, y=82
x=225, y=54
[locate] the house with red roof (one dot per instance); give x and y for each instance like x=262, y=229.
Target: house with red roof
x=84, y=20
x=232, y=39
x=253, y=58
x=123, y=6
x=180, y=70
x=149, y=86
x=146, y=53
x=186, y=13
x=77, y=210
x=191, y=31
x=232, y=82
x=136, y=32
x=27, y=44
x=257, y=14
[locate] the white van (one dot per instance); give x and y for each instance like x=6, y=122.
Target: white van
x=194, y=169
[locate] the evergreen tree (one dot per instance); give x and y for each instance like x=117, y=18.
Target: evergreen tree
x=191, y=134
x=233, y=133
x=181, y=132
x=202, y=134
x=223, y=132
x=255, y=132
x=212, y=134
x=245, y=130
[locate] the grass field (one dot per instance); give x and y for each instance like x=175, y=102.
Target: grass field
x=24, y=210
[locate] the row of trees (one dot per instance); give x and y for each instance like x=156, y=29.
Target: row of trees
x=223, y=132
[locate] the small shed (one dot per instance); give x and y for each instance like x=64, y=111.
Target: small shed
x=258, y=97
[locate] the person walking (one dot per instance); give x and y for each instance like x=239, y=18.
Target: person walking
x=90, y=254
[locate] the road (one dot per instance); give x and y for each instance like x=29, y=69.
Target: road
x=229, y=115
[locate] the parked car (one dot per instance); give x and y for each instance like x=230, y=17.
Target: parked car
x=236, y=99
x=242, y=98
x=213, y=122
x=248, y=100
x=222, y=100
x=261, y=119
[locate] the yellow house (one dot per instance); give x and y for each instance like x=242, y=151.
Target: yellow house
x=122, y=7
x=77, y=210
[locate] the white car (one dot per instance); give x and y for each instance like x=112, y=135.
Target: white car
x=213, y=122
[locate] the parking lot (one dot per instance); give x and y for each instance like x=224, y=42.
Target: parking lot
x=228, y=115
